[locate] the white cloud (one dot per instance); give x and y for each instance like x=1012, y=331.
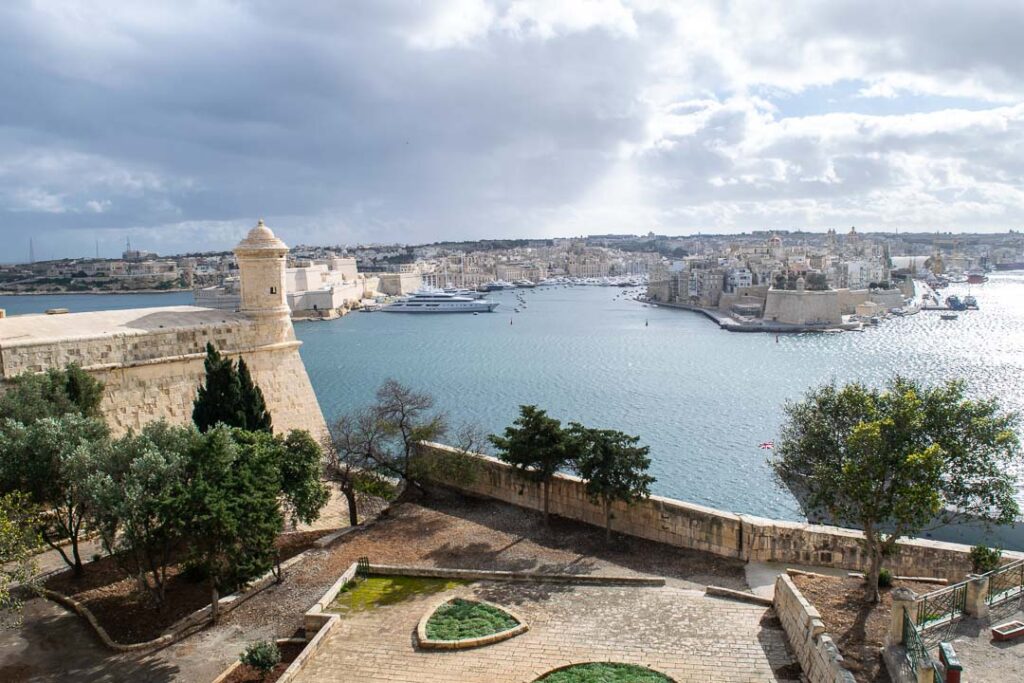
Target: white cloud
x=420, y=121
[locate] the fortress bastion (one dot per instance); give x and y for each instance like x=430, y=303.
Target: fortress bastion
x=151, y=359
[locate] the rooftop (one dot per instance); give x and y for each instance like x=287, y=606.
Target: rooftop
x=33, y=329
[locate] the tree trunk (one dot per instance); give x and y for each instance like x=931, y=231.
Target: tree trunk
x=79, y=569
x=350, y=498
x=608, y=522
x=871, y=594
x=214, y=603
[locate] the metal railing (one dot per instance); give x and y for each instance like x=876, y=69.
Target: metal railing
x=942, y=607
x=1005, y=583
x=917, y=654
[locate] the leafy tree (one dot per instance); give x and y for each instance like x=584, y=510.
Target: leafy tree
x=300, y=464
x=136, y=496
x=302, y=472
x=58, y=391
x=534, y=444
x=219, y=399
x=18, y=539
x=50, y=460
x=231, y=509
x=892, y=461
x=257, y=419
x=612, y=465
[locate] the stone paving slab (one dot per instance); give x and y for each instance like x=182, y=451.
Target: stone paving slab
x=680, y=632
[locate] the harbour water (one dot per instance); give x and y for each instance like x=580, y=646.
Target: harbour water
x=703, y=399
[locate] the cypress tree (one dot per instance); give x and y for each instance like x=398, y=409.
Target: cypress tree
x=257, y=418
x=220, y=398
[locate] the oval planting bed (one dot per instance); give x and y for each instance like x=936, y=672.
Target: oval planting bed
x=604, y=672
x=456, y=624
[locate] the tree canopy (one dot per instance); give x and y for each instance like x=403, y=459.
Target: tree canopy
x=612, y=465
x=892, y=461
x=229, y=396
x=58, y=391
x=534, y=444
x=50, y=460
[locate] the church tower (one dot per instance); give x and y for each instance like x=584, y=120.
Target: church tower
x=261, y=269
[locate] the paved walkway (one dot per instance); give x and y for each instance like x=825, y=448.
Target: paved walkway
x=984, y=660
x=677, y=631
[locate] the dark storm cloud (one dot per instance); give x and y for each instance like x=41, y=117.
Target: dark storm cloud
x=180, y=123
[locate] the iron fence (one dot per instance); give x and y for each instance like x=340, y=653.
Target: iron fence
x=917, y=655
x=942, y=606
x=1006, y=583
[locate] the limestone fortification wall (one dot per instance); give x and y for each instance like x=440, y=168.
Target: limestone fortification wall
x=802, y=307
x=688, y=525
x=153, y=369
x=815, y=650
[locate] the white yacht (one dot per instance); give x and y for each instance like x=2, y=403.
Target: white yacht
x=436, y=301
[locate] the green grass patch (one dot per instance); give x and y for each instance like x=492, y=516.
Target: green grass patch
x=366, y=593
x=461, y=619
x=598, y=672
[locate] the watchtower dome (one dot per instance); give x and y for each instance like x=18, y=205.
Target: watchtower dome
x=261, y=265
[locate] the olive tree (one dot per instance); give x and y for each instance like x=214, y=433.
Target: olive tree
x=18, y=540
x=892, y=461
x=50, y=460
x=136, y=494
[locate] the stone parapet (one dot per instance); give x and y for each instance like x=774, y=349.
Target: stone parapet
x=697, y=527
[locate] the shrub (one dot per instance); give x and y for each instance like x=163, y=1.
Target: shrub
x=262, y=655
x=985, y=559
x=885, y=579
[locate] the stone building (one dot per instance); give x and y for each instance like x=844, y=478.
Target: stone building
x=151, y=359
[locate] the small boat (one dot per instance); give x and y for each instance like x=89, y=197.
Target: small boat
x=970, y=302
x=976, y=276
x=949, y=316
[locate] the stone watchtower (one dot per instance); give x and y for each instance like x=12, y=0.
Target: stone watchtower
x=262, y=258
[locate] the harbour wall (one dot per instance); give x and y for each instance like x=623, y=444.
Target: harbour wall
x=697, y=527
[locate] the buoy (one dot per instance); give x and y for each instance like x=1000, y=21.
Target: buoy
x=647, y=323
x=510, y=321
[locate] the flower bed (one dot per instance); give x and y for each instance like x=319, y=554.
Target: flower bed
x=604, y=672
x=459, y=619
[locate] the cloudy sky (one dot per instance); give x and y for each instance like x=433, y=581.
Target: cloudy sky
x=180, y=123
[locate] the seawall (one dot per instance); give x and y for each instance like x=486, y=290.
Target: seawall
x=697, y=527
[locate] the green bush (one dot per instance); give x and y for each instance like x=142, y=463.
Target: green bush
x=885, y=579
x=985, y=559
x=462, y=619
x=262, y=655
x=602, y=672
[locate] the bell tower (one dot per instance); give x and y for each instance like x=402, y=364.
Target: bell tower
x=261, y=268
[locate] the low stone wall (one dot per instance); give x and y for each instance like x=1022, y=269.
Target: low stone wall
x=688, y=525
x=817, y=653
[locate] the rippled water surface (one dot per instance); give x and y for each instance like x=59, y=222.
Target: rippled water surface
x=702, y=398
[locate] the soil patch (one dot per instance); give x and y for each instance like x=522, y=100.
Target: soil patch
x=127, y=614
x=247, y=674
x=858, y=629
